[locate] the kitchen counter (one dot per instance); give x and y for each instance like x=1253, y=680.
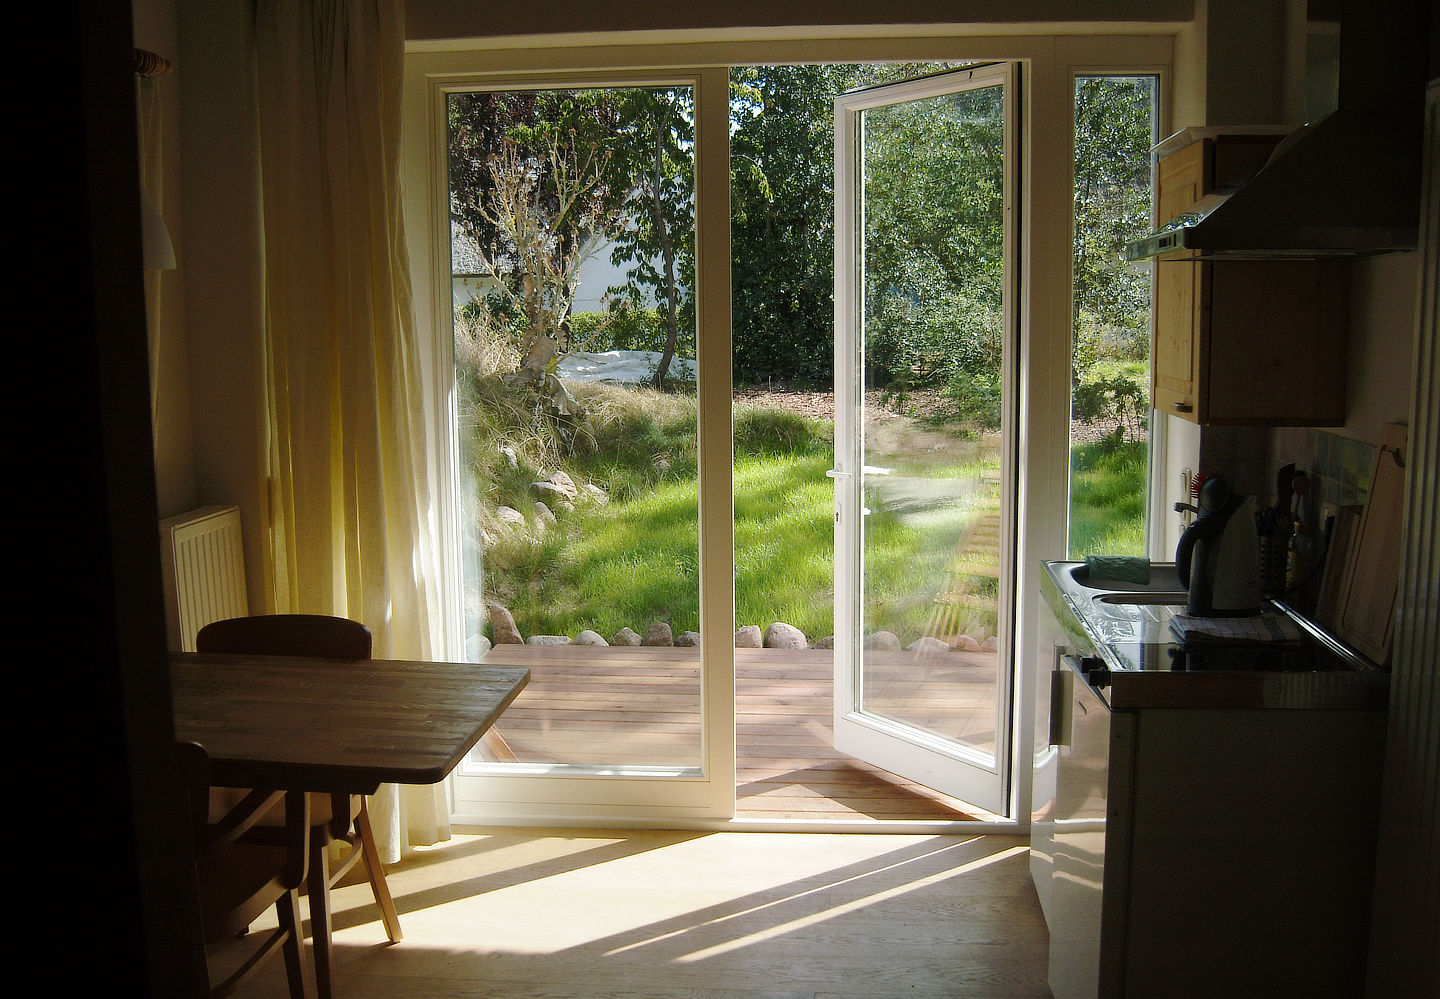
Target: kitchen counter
x=1133, y=659
x=1201, y=816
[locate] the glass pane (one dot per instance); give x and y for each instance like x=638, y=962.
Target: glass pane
x=1110, y=372
x=572, y=239
x=932, y=209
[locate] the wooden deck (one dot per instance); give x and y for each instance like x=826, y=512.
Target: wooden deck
x=641, y=707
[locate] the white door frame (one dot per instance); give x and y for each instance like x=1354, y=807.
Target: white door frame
x=1051, y=60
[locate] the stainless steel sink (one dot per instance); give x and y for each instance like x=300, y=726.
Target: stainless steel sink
x=1163, y=579
x=1142, y=597
x=1116, y=611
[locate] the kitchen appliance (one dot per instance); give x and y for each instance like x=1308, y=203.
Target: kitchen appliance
x=1218, y=558
x=1344, y=186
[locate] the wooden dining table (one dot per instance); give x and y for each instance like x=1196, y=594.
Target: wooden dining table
x=300, y=723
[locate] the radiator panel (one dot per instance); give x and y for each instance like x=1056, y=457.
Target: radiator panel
x=203, y=564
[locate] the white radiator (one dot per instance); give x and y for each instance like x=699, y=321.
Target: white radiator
x=203, y=564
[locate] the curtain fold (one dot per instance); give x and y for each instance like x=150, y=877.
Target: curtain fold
x=348, y=496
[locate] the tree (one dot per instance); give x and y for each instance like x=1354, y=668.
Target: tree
x=654, y=162
x=1113, y=132
x=782, y=220
x=545, y=212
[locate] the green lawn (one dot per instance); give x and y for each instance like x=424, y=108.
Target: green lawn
x=633, y=560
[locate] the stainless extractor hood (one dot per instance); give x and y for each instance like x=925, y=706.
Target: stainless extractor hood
x=1348, y=185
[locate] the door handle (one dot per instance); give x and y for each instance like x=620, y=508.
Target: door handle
x=835, y=473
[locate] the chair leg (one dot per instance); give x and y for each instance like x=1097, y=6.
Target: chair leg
x=288, y=913
x=376, y=873
x=318, y=887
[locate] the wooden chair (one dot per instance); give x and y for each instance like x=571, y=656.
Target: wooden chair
x=339, y=817
x=238, y=881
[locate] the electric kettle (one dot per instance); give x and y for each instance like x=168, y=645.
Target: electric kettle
x=1218, y=558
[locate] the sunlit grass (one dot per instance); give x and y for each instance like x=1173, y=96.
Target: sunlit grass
x=634, y=560
x=1107, y=498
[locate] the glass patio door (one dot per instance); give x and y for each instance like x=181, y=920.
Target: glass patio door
x=924, y=274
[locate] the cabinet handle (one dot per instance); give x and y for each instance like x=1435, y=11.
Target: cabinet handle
x=1184, y=407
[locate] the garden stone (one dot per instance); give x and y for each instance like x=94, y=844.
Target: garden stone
x=594, y=494
x=828, y=642
x=502, y=625
x=928, y=646
x=883, y=641
x=658, y=634
x=625, y=636
x=749, y=637
x=546, y=515
x=688, y=639
x=508, y=453
x=990, y=644
x=549, y=491
x=784, y=636
x=588, y=637
x=509, y=515
x=476, y=648
x=966, y=644
x=564, y=483
x=548, y=640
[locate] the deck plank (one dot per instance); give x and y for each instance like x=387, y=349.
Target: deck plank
x=642, y=704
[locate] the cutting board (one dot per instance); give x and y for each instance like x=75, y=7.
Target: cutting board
x=1365, y=611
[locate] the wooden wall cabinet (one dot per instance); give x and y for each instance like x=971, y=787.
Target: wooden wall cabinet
x=1244, y=342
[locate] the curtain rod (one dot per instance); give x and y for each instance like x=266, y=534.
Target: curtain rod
x=149, y=64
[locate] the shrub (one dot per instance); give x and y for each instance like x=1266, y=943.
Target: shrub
x=624, y=327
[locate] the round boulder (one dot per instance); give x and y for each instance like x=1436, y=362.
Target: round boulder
x=658, y=634
x=784, y=636
x=883, y=641
x=749, y=637
x=502, y=626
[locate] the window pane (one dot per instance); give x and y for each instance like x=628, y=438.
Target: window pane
x=572, y=236
x=1115, y=120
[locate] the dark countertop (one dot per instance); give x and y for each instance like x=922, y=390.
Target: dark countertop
x=1127, y=628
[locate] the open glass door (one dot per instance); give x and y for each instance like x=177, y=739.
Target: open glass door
x=924, y=273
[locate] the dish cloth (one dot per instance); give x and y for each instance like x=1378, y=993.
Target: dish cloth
x=1271, y=629
x=1124, y=568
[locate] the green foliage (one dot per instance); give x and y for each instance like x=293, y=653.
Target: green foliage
x=1114, y=119
x=623, y=327
x=654, y=163
x=782, y=226
x=1115, y=393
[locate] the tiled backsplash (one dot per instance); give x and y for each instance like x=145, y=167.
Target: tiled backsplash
x=1339, y=467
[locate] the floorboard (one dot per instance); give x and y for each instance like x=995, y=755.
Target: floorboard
x=590, y=913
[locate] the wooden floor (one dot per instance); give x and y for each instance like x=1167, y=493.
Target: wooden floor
x=560, y=914
x=640, y=706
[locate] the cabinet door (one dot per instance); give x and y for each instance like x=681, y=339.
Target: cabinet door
x=1184, y=177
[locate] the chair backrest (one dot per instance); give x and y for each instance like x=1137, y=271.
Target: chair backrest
x=316, y=635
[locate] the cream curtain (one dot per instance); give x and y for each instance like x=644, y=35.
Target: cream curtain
x=347, y=492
